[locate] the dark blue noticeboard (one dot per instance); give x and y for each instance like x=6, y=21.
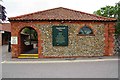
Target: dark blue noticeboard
x=60, y=35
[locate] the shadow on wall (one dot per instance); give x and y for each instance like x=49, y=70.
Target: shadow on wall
x=117, y=44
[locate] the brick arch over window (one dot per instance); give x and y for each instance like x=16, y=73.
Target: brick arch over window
x=39, y=38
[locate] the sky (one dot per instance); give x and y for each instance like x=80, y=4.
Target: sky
x=20, y=7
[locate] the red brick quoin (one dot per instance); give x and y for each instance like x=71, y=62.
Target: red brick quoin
x=109, y=39
x=58, y=16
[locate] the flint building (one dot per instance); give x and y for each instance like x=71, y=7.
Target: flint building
x=63, y=32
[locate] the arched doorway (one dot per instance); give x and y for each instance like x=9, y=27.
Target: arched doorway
x=28, y=43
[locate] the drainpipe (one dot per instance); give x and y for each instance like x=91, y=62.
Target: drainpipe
x=9, y=42
x=108, y=39
x=30, y=36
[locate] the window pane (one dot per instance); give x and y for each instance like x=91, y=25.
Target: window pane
x=81, y=31
x=85, y=30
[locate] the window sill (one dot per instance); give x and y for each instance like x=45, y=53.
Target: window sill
x=85, y=34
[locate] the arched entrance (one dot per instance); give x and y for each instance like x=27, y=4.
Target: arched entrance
x=28, y=43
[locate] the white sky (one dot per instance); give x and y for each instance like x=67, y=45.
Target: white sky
x=20, y=7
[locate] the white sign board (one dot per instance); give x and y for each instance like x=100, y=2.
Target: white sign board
x=14, y=40
x=2, y=31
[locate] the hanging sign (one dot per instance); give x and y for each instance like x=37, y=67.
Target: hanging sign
x=14, y=40
x=60, y=35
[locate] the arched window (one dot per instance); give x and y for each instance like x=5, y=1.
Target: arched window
x=85, y=30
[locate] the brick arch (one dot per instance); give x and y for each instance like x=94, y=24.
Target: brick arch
x=39, y=38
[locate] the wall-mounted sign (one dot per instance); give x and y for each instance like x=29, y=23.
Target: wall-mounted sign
x=14, y=40
x=60, y=35
x=2, y=31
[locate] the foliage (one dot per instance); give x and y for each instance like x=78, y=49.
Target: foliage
x=111, y=11
x=2, y=12
x=30, y=31
x=108, y=11
x=118, y=18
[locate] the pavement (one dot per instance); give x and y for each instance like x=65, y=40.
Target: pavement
x=0, y=61
x=6, y=58
x=99, y=69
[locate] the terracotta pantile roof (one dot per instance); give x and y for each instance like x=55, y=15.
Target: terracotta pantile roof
x=5, y=27
x=61, y=14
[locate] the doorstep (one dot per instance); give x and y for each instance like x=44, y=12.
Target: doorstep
x=28, y=56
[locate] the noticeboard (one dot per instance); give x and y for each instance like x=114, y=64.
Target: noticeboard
x=60, y=35
x=14, y=40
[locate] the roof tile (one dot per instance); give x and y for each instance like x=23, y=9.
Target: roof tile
x=61, y=13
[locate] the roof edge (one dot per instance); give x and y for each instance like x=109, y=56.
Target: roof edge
x=65, y=20
x=104, y=18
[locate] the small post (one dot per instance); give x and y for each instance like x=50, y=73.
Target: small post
x=9, y=43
